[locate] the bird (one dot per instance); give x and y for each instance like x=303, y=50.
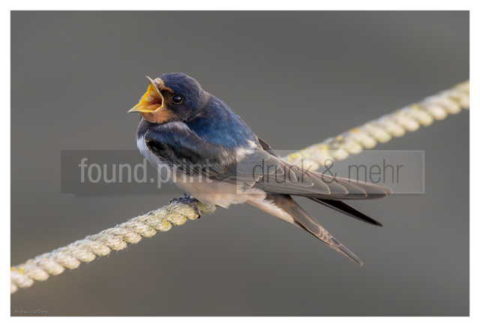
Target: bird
x=213, y=155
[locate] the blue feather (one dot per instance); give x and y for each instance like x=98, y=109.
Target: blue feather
x=218, y=124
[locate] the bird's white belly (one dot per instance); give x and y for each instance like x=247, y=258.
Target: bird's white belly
x=219, y=193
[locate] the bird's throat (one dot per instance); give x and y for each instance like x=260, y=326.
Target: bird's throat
x=160, y=116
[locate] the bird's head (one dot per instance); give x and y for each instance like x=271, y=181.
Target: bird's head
x=171, y=97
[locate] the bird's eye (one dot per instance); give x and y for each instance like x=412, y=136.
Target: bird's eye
x=177, y=99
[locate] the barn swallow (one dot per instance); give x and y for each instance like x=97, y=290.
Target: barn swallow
x=214, y=156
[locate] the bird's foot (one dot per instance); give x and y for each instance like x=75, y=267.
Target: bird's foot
x=191, y=201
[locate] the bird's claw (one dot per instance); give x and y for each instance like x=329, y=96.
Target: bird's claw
x=191, y=201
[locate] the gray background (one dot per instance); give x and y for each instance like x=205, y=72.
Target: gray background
x=296, y=78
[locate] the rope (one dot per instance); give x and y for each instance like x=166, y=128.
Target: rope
x=181, y=210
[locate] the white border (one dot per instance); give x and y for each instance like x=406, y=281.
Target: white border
x=223, y=5
x=241, y=5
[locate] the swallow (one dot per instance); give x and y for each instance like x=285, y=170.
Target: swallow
x=213, y=155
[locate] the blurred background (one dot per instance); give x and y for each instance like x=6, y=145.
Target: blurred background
x=296, y=78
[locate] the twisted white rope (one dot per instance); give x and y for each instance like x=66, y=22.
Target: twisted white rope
x=178, y=212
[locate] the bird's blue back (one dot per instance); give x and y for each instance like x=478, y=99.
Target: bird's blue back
x=218, y=124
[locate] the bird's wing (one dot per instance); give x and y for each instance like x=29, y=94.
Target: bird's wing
x=180, y=147
x=334, y=204
x=266, y=147
x=274, y=175
x=344, y=208
x=357, y=190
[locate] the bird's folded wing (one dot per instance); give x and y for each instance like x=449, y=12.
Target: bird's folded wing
x=274, y=175
x=182, y=149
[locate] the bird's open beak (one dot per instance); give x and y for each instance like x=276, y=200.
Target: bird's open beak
x=151, y=101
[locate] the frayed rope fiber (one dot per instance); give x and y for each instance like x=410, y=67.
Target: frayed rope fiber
x=179, y=211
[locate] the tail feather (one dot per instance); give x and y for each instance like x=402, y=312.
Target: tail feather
x=346, y=209
x=301, y=218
